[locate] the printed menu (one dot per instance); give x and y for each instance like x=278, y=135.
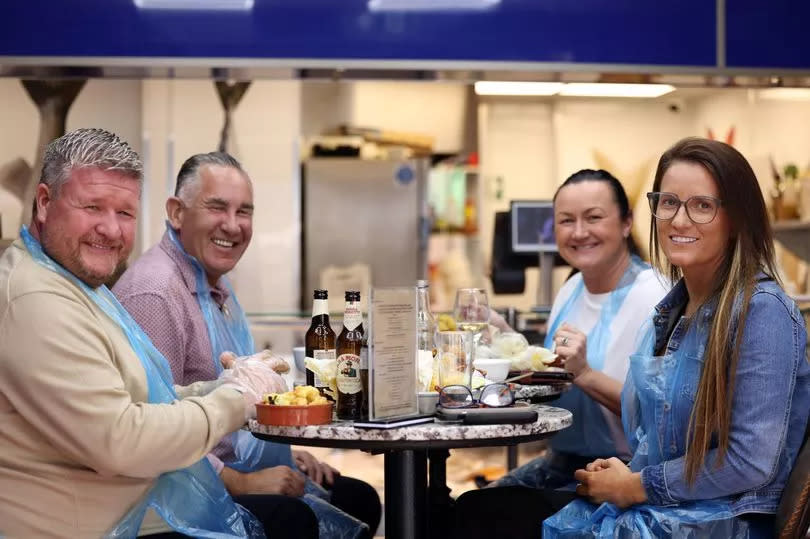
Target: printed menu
x=392, y=349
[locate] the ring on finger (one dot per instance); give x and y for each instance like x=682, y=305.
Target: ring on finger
x=564, y=341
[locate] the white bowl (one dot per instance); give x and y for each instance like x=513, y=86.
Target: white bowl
x=496, y=370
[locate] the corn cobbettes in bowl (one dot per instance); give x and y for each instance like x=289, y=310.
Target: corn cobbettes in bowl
x=304, y=405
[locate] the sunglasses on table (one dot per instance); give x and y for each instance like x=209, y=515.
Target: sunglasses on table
x=498, y=395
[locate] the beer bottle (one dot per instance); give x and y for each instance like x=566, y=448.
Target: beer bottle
x=320, y=338
x=349, y=342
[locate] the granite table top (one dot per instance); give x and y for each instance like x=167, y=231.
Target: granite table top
x=427, y=435
x=528, y=392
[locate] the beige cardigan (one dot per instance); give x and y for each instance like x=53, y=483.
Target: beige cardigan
x=78, y=443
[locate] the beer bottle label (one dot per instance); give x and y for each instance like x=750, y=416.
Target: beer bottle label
x=322, y=354
x=348, y=374
x=320, y=307
x=352, y=317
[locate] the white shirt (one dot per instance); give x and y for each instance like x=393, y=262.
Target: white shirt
x=647, y=290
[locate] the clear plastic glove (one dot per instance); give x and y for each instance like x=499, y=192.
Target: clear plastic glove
x=253, y=378
x=277, y=363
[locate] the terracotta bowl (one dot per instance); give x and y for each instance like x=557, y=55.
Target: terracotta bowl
x=313, y=414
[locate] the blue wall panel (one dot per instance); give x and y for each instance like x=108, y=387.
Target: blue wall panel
x=771, y=33
x=662, y=32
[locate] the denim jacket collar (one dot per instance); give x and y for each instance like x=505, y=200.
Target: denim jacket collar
x=669, y=309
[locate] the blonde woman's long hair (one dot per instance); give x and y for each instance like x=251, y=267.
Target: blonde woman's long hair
x=749, y=251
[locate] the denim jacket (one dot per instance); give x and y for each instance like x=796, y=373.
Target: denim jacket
x=770, y=403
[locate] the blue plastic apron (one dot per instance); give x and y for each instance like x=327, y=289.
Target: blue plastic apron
x=649, y=386
x=193, y=500
x=589, y=435
x=228, y=330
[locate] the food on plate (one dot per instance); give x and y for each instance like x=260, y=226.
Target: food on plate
x=534, y=358
x=326, y=370
x=509, y=345
x=300, y=396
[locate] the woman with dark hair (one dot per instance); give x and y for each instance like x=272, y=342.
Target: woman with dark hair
x=593, y=325
x=716, y=402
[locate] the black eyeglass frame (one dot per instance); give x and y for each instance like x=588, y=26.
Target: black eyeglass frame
x=473, y=402
x=651, y=198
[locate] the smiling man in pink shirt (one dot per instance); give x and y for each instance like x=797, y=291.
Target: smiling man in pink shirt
x=210, y=225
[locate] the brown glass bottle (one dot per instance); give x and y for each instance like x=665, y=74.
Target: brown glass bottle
x=320, y=338
x=349, y=344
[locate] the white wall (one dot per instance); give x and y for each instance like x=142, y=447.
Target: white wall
x=431, y=108
x=19, y=128
x=111, y=104
x=184, y=117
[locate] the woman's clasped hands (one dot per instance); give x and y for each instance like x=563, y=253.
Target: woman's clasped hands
x=611, y=481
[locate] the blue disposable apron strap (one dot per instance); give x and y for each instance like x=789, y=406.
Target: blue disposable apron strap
x=590, y=435
x=212, y=513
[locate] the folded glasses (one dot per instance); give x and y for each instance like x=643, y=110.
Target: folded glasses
x=492, y=395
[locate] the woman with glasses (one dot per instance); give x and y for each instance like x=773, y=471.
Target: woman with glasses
x=592, y=326
x=716, y=402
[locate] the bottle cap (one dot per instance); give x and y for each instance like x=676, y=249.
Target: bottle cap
x=320, y=294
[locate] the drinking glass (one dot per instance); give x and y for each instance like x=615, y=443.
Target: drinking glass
x=454, y=358
x=471, y=310
x=472, y=313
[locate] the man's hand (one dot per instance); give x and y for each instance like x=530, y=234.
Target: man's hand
x=319, y=472
x=276, y=480
x=610, y=480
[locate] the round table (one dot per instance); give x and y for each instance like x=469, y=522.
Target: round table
x=540, y=392
x=405, y=450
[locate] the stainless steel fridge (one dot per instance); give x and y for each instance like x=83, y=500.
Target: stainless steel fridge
x=364, y=211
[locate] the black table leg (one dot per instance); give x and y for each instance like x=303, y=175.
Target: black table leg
x=511, y=457
x=405, y=494
x=441, y=517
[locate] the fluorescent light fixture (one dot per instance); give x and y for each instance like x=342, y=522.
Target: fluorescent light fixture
x=607, y=89
x=196, y=5
x=431, y=5
x=488, y=87
x=785, y=94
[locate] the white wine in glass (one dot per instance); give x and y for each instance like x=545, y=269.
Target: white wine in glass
x=471, y=310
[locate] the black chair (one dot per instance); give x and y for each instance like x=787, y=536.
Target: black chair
x=793, y=514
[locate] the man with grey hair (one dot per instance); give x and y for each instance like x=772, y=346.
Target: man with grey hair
x=94, y=438
x=178, y=293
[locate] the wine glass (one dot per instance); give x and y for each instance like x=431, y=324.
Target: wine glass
x=471, y=310
x=472, y=315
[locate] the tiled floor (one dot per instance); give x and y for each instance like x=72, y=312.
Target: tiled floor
x=462, y=466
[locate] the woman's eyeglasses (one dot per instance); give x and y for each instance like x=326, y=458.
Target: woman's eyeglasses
x=700, y=209
x=497, y=395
